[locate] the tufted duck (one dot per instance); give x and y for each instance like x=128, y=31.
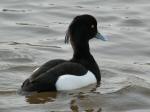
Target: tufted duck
x=80, y=71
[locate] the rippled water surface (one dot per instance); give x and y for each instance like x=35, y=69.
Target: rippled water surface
x=32, y=32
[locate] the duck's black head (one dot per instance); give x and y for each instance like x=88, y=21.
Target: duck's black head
x=81, y=30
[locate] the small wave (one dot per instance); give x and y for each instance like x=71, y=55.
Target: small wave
x=29, y=44
x=30, y=24
x=133, y=23
x=7, y=92
x=15, y=10
x=133, y=89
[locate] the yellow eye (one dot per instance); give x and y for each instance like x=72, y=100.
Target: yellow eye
x=92, y=26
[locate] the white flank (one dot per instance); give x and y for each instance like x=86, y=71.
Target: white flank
x=70, y=82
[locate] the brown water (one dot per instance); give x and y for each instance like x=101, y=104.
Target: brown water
x=32, y=32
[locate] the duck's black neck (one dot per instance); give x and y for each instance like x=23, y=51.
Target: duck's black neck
x=81, y=51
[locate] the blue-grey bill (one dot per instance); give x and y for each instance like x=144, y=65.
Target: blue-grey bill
x=99, y=36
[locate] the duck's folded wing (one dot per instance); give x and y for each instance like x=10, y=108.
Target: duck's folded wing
x=61, y=69
x=45, y=67
x=46, y=81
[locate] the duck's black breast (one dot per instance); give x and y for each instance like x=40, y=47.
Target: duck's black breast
x=45, y=78
x=89, y=63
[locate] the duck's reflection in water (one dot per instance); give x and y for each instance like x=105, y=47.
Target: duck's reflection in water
x=40, y=98
x=82, y=103
x=74, y=101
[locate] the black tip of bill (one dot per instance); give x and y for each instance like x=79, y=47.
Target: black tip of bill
x=99, y=36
